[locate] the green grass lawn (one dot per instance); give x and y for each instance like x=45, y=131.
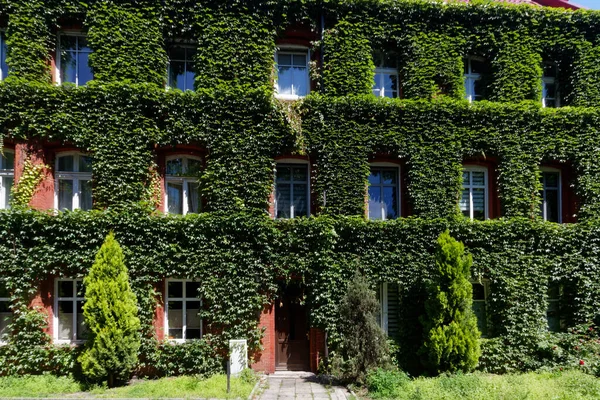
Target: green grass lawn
x=180, y=387
x=479, y=386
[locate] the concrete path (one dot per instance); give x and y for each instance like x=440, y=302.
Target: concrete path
x=300, y=385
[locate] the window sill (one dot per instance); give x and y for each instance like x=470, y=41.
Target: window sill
x=288, y=97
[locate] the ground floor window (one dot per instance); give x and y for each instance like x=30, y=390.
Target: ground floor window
x=553, y=312
x=389, y=302
x=68, y=311
x=182, y=312
x=5, y=312
x=480, y=295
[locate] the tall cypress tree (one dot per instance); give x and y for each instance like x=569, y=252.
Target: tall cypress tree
x=451, y=334
x=110, y=312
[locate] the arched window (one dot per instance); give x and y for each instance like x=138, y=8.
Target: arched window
x=182, y=192
x=73, y=182
x=7, y=177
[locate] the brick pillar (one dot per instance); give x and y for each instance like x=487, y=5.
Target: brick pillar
x=264, y=360
x=44, y=301
x=159, y=312
x=317, y=348
x=43, y=197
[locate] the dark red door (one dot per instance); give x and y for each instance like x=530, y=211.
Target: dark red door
x=291, y=325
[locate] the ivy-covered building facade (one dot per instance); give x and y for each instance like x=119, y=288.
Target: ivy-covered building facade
x=251, y=156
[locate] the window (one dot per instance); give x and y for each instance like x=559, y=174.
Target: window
x=474, y=199
x=474, y=69
x=385, y=82
x=74, y=182
x=553, y=312
x=480, y=296
x=384, y=194
x=182, y=194
x=182, y=313
x=7, y=176
x=73, y=65
x=388, y=295
x=551, y=205
x=291, y=190
x=181, y=67
x=3, y=49
x=5, y=312
x=550, y=96
x=69, y=324
x=292, y=74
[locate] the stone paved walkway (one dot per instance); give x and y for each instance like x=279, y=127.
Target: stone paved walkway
x=303, y=385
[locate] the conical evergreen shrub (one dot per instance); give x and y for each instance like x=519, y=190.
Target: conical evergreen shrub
x=450, y=326
x=110, y=312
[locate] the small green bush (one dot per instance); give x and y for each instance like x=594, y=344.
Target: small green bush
x=451, y=334
x=364, y=344
x=110, y=312
x=383, y=383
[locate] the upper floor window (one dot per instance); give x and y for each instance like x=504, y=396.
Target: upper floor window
x=550, y=96
x=474, y=70
x=480, y=297
x=551, y=207
x=553, y=312
x=385, y=82
x=384, y=193
x=73, y=56
x=182, y=311
x=5, y=311
x=7, y=177
x=181, y=67
x=69, y=324
x=3, y=49
x=474, y=200
x=182, y=193
x=291, y=190
x=73, y=182
x=292, y=74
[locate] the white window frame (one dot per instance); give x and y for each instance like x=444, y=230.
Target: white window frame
x=293, y=50
x=560, y=205
x=5, y=173
x=486, y=294
x=288, y=161
x=77, y=34
x=8, y=300
x=183, y=299
x=551, y=81
x=74, y=300
x=186, y=47
x=75, y=176
x=2, y=55
x=380, y=69
x=185, y=180
x=470, y=186
x=387, y=165
x=471, y=77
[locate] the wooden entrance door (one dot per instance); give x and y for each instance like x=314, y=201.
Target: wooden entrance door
x=291, y=325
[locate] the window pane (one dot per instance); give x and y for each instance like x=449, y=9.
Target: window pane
x=177, y=53
x=177, y=75
x=300, y=173
x=189, y=77
x=65, y=288
x=193, y=197
x=477, y=66
x=284, y=59
x=375, y=177
x=82, y=330
x=550, y=179
x=300, y=200
x=66, y=164
x=85, y=164
x=175, y=196
x=7, y=184
x=300, y=81
x=192, y=320
x=4, y=291
x=478, y=291
x=299, y=60
x=283, y=193
x=68, y=66
x=85, y=71
x=283, y=174
x=390, y=85
x=479, y=204
x=375, y=201
x=192, y=290
x=175, y=289
x=284, y=80
x=175, y=166
x=65, y=194
x=85, y=200
x=193, y=167
x=478, y=89
x=5, y=317
x=390, y=199
x=479, y=309
x=550, y=70
x=65, y=320
x=3, y=50
x=8, y=160
x=389, y=177
x=552, y=213
x=478, y=178
x=464, y=203
x=175, y=319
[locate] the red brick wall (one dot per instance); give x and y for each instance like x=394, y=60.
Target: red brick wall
x=43, y=198
x=45, y=301
x=317, y=348
x=264, y=360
